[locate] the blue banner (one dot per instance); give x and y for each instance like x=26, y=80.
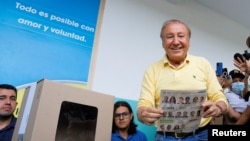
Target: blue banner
x=47, y=39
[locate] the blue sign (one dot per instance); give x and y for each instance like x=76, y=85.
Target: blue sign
x=46, y=39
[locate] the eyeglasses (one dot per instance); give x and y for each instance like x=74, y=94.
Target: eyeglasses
x=123, y=115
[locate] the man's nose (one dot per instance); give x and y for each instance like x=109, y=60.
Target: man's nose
x=8, y=101
x=176, y=40
x=121, y=117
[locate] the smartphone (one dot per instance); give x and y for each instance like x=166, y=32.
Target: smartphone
x=219, y=67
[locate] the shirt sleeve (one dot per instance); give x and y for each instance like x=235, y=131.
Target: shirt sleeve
x=147, y=95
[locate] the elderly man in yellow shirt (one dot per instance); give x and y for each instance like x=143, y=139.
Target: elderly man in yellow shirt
x=179, y=70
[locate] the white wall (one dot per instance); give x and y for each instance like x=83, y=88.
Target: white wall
x=130, y=41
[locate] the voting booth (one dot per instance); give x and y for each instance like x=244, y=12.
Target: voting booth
x=52, y=111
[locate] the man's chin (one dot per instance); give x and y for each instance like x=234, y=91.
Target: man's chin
x=123, y=128
x=5, y=116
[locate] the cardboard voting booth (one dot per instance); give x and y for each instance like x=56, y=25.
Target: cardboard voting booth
x=59, y=112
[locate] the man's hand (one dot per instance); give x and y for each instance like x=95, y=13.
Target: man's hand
x=210, y=109
x=149, y=115
x=244, y=65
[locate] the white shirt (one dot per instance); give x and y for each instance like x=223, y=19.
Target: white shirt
x=237, y=102
x=226, y=90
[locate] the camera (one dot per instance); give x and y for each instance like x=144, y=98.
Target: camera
x=246, y=55
x=225, y=73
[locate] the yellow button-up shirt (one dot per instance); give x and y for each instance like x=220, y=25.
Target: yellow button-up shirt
x=195, y=73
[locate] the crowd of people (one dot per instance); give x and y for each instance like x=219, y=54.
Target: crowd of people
x=177, y=70
x=236, y=90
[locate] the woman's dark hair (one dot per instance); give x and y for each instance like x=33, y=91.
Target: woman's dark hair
x=132, y=125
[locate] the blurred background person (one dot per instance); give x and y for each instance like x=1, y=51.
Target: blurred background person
x=8, y=103
x=234, y=89
x=124, y=127
x=244, y=65
x=234, y=95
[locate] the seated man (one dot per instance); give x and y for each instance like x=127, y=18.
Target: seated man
x=8, y=97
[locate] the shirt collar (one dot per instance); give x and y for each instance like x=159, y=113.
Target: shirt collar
x=166, y=61
x=12, y=123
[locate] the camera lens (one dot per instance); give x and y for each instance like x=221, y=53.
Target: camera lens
x=237, y=55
